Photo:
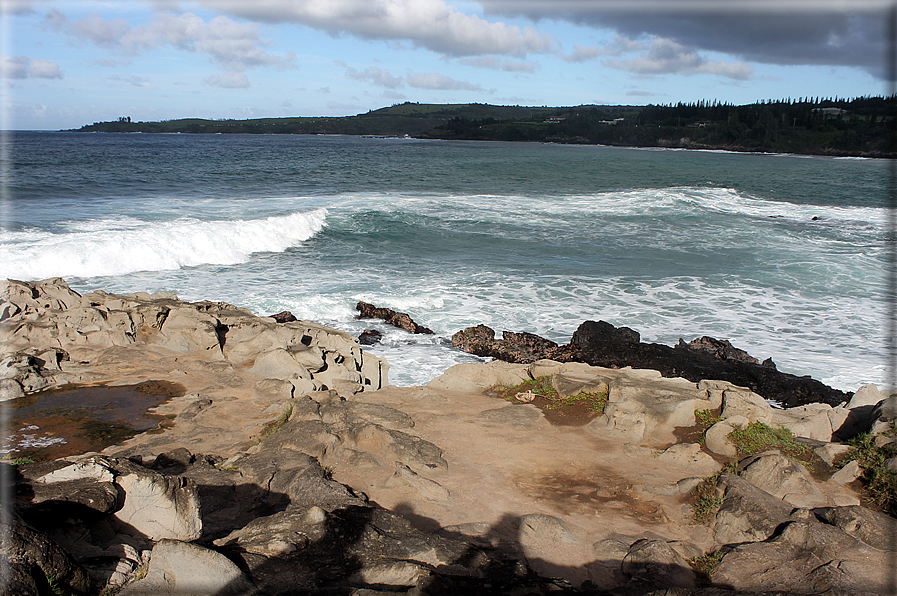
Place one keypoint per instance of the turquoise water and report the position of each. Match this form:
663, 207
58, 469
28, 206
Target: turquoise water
782, 255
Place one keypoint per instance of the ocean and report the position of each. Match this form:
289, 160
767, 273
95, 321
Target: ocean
782, 255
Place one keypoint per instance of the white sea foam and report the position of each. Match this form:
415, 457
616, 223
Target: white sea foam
640, 202
834, 339
118, 246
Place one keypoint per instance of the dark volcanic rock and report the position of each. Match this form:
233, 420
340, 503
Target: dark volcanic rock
398, 319
599, 343
521, 348
284, 317
33, 561
720, 348
369, 337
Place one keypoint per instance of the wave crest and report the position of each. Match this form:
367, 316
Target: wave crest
106, 247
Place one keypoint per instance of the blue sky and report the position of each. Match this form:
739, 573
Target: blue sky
69, 63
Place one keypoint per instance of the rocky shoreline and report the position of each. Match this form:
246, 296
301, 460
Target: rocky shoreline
290, 465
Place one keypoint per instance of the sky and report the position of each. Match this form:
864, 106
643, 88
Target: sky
67, 63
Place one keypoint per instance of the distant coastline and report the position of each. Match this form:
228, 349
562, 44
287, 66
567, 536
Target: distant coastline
858, 127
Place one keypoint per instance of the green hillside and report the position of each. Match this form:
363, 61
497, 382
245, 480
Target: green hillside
397, 120
860, 126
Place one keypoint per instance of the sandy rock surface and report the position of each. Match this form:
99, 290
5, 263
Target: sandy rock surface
288, 453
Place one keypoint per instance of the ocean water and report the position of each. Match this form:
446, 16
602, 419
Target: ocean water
782, 255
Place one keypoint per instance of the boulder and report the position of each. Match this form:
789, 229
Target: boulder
848, 473
716, 439
811, 421
738, 401
831, 451
156, 506
539, 526
28, 297
869, 527
747, 513
883, 416
722, 349
31, 561
188, 329
653, 564
182, 568
44, 321
867, 395
806, 557
784, 479
473, 378
370, 337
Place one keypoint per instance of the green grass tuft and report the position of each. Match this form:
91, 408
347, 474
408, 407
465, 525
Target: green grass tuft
705, 565
707, 501
540, 386
757, 437
595, 401
705, 419
879, 480
278, 424
17, 461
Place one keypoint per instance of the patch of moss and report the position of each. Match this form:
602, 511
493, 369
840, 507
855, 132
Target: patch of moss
540, 386
594, 401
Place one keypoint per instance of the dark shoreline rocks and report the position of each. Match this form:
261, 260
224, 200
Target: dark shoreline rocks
396, 319
601, 344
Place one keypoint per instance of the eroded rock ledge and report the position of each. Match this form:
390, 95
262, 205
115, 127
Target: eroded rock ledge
363, 488
52, 335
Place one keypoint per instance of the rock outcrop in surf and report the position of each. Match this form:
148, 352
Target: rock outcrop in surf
599, 343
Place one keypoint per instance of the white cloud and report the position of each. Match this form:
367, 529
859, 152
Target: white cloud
620, 45
495, 63
583, 53
112, 62
14, 67
791, 32
234, 45
375, 75
42, 69
430, 24
436, 81
228, 80
22, 67
132, 80
15, 7
665, 56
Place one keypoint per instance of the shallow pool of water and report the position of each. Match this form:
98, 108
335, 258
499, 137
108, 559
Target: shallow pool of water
76, 419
